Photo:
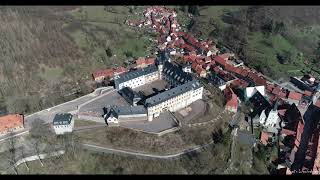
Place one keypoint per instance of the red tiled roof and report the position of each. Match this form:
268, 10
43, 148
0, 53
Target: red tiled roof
220, 60
120, 70
240, 83
282, 94
194, 66
244, 73
232, 99
216, 69
307, 93
264, 137
208, 59
192, 53
140, 61
225, 56
287, 132
272, 98
276, 90
294, 95
103, 73
270, 87
11, 121
230, 68
199, 70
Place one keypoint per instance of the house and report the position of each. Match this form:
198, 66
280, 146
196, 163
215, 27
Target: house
294, 97
11, 122
270, 120
200, 71
119, 70
259, 103
265, 137
123, 114
63, 123
142, 62
174, 99
250, 91
220, 60
217, 81
232, 100
187, 67
100, 75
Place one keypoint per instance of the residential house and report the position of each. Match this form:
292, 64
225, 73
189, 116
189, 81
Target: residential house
123, 114
232, 100
100, 75
266, 137
250, 91
63, 123
11, 122
294, 97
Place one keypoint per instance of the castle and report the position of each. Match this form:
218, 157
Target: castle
184, 91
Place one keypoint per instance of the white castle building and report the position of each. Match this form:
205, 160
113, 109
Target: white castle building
185, 89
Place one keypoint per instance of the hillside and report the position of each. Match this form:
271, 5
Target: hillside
275, 40
48, 53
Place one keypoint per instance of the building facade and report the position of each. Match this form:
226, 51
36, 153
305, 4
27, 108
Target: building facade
63, 123
122, 114
137, 78
184, 89
174, 99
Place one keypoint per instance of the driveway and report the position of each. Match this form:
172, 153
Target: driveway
163, 122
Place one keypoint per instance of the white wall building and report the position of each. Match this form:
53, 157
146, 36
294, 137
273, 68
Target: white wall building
63, 123
137, 78
184, 92
122, 114
250, 91
174, 99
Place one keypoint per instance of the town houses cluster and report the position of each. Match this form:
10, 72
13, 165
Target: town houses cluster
288, 114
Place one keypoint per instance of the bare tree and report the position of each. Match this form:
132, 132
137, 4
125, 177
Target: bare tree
23, 155
11, 146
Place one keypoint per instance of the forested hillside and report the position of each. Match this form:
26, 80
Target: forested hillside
48, 53
279, 41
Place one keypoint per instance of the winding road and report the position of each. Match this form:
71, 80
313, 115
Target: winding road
101, 149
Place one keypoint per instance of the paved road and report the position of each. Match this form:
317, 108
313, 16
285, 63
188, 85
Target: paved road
48, 114
143, 155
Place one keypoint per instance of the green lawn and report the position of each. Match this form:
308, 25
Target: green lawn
99, 29
80, 123
51, 73
264, 51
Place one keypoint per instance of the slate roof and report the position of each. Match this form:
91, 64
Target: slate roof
161, 97
134, 74
62, 119
176, 73
127, 92
117, 111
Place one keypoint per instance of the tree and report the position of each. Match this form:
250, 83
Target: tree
279, 28
11, 146
194, 10
38, 129
286, 57
109, 52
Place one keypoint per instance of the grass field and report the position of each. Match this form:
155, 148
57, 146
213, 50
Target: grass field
51, 73
80, 123
102, 28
